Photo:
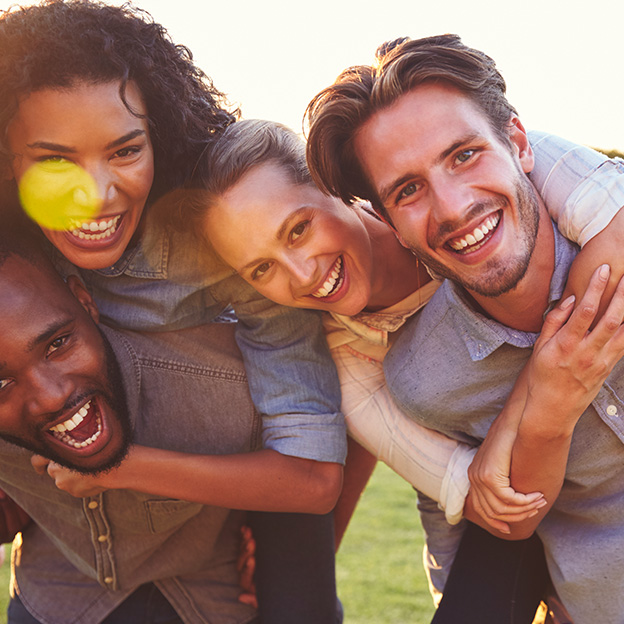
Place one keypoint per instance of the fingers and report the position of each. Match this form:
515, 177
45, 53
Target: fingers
585, 311
556, 318
248, 599
498, 525
612, 318
54, 470
40, 464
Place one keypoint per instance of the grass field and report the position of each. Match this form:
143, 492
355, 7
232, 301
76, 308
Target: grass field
379, 569
379, 566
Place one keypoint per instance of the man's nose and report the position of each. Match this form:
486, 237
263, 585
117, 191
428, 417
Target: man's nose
451, 200
48, 391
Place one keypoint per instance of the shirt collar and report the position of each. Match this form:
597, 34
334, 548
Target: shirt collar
482, 335
148, 258
130, 370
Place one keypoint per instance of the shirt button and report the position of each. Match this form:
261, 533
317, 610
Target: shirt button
102, 538
93, 505
612, 410
108, 580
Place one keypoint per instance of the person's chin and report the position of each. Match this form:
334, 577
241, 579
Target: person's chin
93, 462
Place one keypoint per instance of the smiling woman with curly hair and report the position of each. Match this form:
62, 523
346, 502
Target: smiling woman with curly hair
103, 93
59, 44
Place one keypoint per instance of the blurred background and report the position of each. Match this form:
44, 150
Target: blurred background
561, 58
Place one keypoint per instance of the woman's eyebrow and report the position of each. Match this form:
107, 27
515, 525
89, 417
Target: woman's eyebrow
288, 220
126, 137
65, 149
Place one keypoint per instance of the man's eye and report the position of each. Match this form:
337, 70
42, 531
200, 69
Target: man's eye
4, 383
57, 343
464, 156
298, 230
408, 190
260, 270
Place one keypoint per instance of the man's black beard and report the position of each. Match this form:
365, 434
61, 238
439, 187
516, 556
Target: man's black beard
115, 396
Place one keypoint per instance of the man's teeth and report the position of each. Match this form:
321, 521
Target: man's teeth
59, 431
94, 230
478, 234
330, 283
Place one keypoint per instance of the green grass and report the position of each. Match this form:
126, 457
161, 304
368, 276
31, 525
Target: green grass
379, 566
5, 575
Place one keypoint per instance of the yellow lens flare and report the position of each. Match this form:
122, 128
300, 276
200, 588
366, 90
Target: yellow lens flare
57, 195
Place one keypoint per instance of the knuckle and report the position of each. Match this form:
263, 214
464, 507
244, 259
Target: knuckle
588, 310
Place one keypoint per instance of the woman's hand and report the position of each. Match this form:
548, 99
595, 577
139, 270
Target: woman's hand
568, 366
246, 567
491, 495
570, 360
70, 481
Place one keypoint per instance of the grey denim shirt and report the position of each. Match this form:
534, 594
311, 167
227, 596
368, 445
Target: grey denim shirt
81, 558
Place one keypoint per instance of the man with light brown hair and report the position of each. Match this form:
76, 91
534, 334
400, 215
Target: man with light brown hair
429, 137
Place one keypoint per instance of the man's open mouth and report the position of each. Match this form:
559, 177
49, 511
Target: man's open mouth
82, 429
478, 237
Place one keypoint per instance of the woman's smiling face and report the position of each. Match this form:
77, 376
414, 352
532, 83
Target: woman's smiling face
90, 126
292, 243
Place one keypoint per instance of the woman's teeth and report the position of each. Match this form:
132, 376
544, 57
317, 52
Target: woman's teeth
333, 282
478, 234
95, 230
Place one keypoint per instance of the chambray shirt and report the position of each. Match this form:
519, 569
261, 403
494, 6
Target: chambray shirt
452, 370
171, 279
186, 391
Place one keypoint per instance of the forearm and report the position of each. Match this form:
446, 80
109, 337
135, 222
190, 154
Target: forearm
539, 459
261, 481
358, 470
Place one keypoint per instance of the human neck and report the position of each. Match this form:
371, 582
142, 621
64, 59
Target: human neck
396, 271
523, 307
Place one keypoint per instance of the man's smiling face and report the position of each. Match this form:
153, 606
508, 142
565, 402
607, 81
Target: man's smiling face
57, 396
456, 193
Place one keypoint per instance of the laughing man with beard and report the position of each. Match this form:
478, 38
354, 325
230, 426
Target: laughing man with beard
77, 393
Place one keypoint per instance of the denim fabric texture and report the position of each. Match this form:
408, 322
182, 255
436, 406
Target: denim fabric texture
81, 558
171, 280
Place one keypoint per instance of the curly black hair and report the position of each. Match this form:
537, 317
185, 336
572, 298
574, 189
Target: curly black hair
61, 42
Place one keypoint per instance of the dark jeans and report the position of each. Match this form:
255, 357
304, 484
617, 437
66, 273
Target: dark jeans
295, 568
493, 581
144, 606
295, 577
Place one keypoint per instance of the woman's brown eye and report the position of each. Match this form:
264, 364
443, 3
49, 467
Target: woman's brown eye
261, 270
298, 230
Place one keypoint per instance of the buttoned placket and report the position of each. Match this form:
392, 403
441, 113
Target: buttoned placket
101, 540
611, 409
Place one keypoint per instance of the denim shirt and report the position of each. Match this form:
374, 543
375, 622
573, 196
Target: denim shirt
81, 557
171, 279
452, 370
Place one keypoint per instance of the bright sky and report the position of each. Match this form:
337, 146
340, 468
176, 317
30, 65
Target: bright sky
562, 59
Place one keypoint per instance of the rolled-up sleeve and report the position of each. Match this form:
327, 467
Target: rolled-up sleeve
582, 189
292, 377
